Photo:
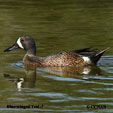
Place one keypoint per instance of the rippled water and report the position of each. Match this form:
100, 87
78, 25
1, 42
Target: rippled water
59, 91
56, 26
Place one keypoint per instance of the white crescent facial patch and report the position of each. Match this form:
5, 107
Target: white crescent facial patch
19, 43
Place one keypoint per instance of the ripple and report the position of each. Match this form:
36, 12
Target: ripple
52, 95
87, 91
16, 99
19, 64
61, 78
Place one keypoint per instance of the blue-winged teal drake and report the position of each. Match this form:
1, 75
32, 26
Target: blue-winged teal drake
80, 57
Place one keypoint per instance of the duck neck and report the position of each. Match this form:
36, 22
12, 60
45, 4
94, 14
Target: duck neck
31, 52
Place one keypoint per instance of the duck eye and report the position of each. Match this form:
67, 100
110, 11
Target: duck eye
22, 40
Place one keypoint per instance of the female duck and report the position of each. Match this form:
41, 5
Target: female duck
80, 57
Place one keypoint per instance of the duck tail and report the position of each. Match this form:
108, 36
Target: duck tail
98, 55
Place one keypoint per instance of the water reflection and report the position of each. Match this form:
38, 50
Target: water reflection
68, 71
28, 79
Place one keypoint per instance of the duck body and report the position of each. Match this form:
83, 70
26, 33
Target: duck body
82, 57
60, 59
66, 58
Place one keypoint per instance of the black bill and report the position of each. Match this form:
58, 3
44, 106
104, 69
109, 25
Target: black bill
14, 46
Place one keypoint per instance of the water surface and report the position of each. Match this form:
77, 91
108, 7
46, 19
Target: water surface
56, 26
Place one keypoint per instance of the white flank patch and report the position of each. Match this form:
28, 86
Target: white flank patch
19, 43
86, 59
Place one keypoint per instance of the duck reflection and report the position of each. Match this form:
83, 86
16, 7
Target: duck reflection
72, 72
28, 79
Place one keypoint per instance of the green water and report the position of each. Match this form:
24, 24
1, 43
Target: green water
56, 25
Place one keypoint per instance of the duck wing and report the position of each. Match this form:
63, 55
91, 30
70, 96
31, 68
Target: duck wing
93, 54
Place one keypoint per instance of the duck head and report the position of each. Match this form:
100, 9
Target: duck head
24, 42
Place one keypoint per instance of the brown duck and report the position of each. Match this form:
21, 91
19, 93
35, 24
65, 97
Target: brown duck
82, 57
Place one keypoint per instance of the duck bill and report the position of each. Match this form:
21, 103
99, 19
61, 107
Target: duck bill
14, 46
